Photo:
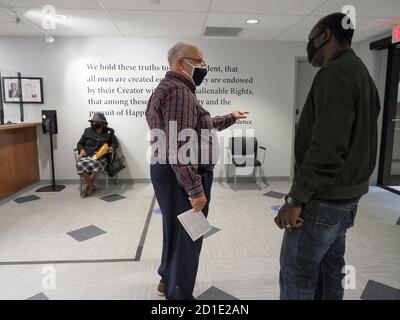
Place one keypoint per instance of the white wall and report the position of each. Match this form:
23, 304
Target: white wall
63, 68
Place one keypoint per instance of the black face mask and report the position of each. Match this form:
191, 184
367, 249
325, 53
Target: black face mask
198, 74
96, 125
311, 49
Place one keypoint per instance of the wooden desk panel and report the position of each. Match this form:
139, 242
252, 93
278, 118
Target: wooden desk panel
19, 164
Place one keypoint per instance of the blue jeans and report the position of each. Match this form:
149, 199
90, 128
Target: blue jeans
312, 257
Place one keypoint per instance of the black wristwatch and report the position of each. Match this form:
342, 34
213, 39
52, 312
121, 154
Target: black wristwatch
292, 202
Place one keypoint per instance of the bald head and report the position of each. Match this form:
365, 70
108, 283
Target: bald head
182, 50
182, 56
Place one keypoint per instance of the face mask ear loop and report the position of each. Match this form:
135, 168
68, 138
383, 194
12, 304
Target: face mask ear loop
323, 42
193, 67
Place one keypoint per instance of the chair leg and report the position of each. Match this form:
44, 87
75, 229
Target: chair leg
235, 180
106, 182
227, 174
259, 178
254, 174
80, 184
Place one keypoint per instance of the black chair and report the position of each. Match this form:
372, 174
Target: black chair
243, 153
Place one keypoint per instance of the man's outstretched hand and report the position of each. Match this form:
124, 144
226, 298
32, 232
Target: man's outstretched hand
240, 114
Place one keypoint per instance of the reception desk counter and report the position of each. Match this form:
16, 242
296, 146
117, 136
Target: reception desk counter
19, 164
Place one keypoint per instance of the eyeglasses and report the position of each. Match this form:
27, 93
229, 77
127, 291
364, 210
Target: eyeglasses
202, 63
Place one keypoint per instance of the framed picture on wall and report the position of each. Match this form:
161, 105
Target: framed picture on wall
32, 90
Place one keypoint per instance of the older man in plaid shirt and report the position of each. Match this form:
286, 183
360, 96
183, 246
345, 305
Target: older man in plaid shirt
180, 185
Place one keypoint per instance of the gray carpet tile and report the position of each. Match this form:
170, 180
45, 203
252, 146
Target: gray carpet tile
86, 233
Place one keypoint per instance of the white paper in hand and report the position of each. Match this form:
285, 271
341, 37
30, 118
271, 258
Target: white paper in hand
195, 224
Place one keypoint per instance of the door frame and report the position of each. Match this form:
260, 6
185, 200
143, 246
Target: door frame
385, 178
296, 67
297, 60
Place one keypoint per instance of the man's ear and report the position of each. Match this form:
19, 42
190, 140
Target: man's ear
327, 35
181, 64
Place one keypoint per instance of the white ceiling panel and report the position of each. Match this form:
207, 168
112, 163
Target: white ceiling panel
11, 29
364, 8
158, 18
85, 30
74, 16
165, 5
4, 17
134, 30
62, 4
362, 24
286, 20
370, 34
260, 33
294, 7
294, 35
239, 20
307, 23
367, 24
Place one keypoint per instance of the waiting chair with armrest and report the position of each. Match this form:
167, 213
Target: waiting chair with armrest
243, 153
104, 173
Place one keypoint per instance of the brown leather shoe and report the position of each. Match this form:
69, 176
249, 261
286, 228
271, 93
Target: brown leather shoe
161, 289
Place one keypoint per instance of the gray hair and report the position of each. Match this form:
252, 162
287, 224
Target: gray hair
177, 51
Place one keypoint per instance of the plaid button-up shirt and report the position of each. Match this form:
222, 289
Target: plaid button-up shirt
175, 100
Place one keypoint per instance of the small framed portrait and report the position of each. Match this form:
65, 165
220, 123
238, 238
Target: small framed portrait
31, 88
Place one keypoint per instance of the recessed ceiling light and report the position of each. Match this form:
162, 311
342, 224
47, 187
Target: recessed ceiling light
251, 21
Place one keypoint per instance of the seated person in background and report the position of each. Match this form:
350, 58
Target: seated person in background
91, 141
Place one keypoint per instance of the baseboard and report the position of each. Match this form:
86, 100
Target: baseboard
100, 181
250, 179
20, 192
61, 181
390, 189
147, 180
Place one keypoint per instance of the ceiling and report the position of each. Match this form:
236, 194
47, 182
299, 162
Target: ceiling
282, 20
